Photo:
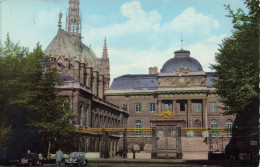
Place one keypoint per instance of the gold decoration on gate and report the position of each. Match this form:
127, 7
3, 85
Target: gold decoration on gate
166, 114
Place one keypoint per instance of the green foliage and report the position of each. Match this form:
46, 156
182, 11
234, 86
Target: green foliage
27, 83
237, 61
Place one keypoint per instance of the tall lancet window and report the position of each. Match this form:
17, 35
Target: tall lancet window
87, 117
80, 114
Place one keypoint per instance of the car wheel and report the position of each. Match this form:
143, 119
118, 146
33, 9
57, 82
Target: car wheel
78, 163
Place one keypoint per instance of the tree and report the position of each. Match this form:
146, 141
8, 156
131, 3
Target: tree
237, 61
237, 72
28, 86
9, 72
51, 115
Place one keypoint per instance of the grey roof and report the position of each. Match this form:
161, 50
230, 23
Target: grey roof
67, 78
62, 45
145, 81
126, 82
182, 59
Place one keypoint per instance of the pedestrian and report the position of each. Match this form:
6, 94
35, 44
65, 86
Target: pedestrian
59, 157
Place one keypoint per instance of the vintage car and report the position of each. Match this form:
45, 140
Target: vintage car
29, 159
76, 158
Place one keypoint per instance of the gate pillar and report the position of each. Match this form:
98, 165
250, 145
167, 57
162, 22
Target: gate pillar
153, 143
210, 141
124, 144
102, 150
178, 142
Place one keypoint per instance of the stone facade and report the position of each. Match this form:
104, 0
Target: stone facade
85, 78
182, 88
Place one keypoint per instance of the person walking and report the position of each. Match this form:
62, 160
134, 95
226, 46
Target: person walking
59, 157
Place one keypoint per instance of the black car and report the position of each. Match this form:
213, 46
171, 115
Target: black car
29, 159
76, 158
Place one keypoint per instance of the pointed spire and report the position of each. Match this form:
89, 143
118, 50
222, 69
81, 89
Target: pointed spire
105, 55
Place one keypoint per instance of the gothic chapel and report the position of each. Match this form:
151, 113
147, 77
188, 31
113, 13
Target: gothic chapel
85, 78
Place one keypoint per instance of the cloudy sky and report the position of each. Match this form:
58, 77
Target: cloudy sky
140, 34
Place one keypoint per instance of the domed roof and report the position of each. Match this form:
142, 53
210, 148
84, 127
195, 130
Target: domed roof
181, 59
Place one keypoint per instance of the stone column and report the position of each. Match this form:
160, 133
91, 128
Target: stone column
174, 106
204, 113
189, 114
159, 106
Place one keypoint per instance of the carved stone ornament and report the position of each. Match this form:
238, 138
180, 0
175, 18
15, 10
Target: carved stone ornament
182, 70
166, 114
203, 81
173, 82
188, 81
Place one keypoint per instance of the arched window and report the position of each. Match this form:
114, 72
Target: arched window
229, 125
138, 125
214, 126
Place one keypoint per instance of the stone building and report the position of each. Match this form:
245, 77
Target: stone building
85, 78
180, 95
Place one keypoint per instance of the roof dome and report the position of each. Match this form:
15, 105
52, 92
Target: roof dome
181, 59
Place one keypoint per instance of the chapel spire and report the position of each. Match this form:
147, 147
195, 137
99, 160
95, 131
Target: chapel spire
74, 19
105, 55
105, 65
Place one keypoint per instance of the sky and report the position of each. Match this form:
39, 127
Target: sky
140, 34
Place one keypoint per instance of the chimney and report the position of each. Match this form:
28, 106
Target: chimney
153, 70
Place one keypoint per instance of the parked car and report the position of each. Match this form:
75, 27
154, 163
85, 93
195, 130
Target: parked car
29, 159
76, 158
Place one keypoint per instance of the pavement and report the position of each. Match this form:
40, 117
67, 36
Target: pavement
124, 162
118, 162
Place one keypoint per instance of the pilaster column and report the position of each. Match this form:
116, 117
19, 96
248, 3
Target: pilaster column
159, 106
82, 74
174, 106
77, 71
89, 77
204, 114
189, 114
95, 83
101, 86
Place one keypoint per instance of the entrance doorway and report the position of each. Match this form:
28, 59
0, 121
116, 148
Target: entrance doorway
168, 139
